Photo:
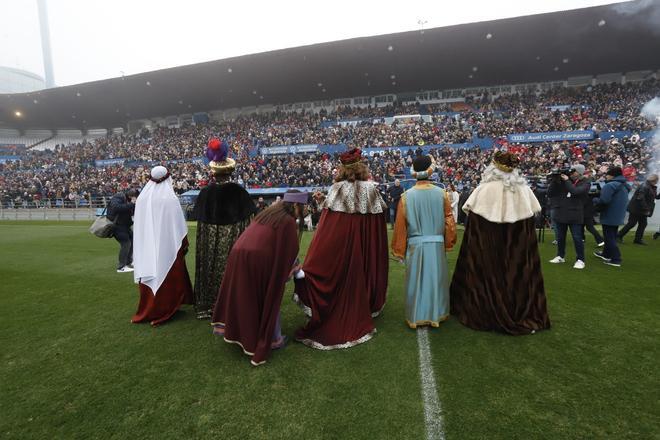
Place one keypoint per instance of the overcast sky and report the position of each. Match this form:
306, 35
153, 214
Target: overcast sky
94, 39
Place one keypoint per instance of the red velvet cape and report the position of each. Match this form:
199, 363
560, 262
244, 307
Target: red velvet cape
251, 292
175, 290
345, 280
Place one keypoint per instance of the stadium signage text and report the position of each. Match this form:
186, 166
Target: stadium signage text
4, 159
552, 136
107, 162
290, 149
559, 108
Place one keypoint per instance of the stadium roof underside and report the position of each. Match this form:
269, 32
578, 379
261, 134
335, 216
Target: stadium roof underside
535, 48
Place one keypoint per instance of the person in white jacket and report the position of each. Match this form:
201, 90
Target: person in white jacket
453, 198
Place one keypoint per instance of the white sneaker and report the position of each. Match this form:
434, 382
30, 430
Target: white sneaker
557, 260
125, 269
579, 264
601, 244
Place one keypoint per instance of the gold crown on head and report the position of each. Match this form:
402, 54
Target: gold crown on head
505, 161
226, 166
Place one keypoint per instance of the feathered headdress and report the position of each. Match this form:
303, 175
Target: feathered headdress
217, 152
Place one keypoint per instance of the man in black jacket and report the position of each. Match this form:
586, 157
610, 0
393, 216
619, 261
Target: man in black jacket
640, 207
589, 213
394, 194
120, 211
568, 195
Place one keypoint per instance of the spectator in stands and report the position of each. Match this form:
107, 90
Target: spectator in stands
120, 211
261, 204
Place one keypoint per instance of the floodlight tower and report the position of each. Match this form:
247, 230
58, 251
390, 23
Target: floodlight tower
45, 43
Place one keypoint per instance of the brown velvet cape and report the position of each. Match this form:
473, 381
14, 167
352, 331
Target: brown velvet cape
498, 284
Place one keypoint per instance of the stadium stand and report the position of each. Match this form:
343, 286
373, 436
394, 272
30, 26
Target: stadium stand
95, 167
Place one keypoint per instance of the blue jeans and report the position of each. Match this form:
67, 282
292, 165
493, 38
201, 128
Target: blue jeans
578, 237
611, 249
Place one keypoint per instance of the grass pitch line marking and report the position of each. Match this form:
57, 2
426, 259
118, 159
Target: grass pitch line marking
432, 406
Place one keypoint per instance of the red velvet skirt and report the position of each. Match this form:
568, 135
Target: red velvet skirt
175, 290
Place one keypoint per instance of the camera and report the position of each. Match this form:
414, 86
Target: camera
556, 172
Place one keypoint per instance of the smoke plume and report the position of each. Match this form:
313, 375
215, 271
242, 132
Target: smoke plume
646, 12
651, 111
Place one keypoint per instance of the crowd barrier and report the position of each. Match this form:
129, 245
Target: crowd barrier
95, 202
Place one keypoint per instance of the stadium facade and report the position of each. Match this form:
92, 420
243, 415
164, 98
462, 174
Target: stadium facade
19, 81
612, 43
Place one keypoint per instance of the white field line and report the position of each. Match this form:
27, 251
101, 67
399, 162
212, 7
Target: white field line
432, 405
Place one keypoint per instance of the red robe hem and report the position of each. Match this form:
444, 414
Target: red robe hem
175, 290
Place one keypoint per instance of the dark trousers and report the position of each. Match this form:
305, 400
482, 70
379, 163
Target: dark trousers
395, 209
635, 219
124, 235
611, 250
576, 233
589, 226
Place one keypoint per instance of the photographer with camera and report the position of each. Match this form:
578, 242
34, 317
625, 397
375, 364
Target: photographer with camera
568, 192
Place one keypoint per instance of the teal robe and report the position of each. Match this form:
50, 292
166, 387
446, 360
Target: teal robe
427, 274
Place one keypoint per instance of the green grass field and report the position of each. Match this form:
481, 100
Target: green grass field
73, 366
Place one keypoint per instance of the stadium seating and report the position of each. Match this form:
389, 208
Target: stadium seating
71, 166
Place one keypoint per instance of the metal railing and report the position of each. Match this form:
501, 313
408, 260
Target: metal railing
60, 203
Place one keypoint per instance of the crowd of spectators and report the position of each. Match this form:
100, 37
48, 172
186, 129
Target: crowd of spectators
69, 173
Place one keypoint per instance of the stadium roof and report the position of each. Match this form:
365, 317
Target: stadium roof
544, 47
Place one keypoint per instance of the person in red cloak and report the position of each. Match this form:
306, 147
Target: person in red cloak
261, 261
160, 244
344, 276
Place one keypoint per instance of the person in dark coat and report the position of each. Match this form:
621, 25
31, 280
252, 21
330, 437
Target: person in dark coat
589, 213
568, 195
120, 211
394, 194
613, 200
640, 207
466, 192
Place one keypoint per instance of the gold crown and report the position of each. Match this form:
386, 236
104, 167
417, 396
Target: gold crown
227, 166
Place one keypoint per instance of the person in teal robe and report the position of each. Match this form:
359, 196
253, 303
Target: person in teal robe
424, 231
